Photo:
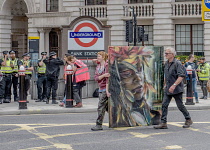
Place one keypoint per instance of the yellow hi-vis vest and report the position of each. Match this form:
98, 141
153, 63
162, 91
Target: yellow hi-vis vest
6, 68
15, 63
42, 69
27, 64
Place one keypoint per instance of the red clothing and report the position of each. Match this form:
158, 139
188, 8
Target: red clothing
101, 83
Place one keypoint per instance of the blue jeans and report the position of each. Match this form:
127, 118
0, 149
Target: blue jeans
64, 99
194, 84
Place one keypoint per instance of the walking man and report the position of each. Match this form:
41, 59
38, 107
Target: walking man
42, 79
174, 74
53, 71
203, 74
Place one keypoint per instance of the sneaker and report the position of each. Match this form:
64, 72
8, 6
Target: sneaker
205, 97
187, 123
61, 104
161, 126
97, 128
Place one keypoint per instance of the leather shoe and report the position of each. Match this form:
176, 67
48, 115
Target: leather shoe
187, 123
54, 102
39, 100
161, 126
78, 105
47, 102
202, 97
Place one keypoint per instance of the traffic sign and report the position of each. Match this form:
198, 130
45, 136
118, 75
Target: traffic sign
205, 10
85, 39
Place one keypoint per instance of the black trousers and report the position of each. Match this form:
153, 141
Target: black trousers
204, 87
42, 87
15, 86
52, 85
179, 103
5, 87
27, 83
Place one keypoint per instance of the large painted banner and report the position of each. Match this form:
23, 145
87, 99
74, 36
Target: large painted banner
136, 85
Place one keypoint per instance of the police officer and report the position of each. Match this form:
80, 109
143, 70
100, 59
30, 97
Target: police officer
53, 70
6, 69
29, 68
42, 79
14, 64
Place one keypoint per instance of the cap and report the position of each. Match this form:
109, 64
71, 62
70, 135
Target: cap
5, 52
43, 53
52, 54
11, 52
26, 54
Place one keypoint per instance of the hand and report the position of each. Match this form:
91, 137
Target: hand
198, 70
108, 94
16, 75
106, 75
44, 57
171, 89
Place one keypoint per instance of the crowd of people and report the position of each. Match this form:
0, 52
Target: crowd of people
48, 71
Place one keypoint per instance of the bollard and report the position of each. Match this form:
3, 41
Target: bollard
22, 100
69, 87
189, 94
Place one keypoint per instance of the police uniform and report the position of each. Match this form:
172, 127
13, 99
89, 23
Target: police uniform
15, 62
5, 94
42, 80
28, 73
52, 72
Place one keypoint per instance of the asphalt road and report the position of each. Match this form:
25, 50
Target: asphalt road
72, 132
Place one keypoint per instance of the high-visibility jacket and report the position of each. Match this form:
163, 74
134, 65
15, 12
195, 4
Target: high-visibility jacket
28, 65
42, 69
15, 63
82, 73
204, 73
7, 68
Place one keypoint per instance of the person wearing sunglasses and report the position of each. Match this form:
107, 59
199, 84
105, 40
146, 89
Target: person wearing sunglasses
174, 73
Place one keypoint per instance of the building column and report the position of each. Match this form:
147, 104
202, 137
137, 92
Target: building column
163, 26
5, 33
41, 41
47, 47
207, 40
115, 13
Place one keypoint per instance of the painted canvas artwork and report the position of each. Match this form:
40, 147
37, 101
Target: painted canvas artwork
136, 85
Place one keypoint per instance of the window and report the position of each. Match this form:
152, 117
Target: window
95, 2
148, 30
189, 39
52, 5
139, 1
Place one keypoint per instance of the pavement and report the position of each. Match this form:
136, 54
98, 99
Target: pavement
89, 105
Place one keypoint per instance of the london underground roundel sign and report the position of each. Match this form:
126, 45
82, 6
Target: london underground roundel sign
85, 37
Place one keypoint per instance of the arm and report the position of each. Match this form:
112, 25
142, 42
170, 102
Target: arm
58, 61
5, 59
31, 68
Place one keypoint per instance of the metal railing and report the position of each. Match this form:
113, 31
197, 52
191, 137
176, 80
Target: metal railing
98, 11
141, 10
183, 9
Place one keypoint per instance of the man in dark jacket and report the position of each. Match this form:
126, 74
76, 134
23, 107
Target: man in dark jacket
53, 70
174, 74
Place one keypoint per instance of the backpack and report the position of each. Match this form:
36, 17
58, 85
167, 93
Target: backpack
96, 92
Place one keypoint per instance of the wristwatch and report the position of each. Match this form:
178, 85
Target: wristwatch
174, 84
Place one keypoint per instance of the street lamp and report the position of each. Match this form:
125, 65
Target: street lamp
134, 25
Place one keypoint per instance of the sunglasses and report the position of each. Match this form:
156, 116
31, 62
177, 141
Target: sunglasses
167, 53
